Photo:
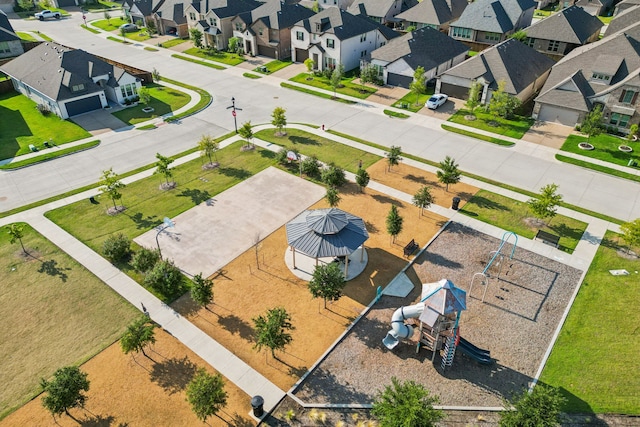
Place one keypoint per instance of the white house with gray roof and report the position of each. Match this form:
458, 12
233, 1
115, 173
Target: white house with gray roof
69, 82
437, 14
381, 11
10, 44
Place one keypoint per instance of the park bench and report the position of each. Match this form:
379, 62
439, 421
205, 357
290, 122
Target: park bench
410, 248
548, 238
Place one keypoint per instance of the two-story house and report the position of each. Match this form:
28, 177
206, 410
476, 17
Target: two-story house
485, 23
437, 14
604, 73
381, 11
595, 7
560, 33
625, 5
167, 15
628, 18
335, 36
10, 44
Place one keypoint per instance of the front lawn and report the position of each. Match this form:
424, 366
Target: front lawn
21, 124
409, 101
112, 24
174, 42
601, 333
26, 36
164, 100
273, 66
510, 215
605, 148
218, 56
349, 89
515, 128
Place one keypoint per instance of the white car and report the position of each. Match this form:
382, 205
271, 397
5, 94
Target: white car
436, 100
47, 14
128, 28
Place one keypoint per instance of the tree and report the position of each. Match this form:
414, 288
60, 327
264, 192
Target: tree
202, 290
123, 33
196, 36
144, 95
520, 35
145, 259
362, 179
333, 176
546, 204
107, 16
633, 132
540, 408
156, 75
111, 186
272, 330
311, 167
419, 83
332, 197
65, 390
234, 44
406, 404
448, 173
117, 247
151, 27
394, 223
309, 63
139, 334
631, 232
315, 7
166, 278
592, 123
279, 119
502, 103
208, 146
368, 74
162, 167
246, 132
206, 395
423, 199
16, 233
393, 156
473, 100
327, 282
336, 78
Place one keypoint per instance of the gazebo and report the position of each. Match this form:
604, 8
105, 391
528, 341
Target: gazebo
324, 233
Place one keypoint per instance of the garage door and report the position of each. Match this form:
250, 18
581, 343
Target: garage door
267, 51
83, 105
301, 55
454, 91
66, 3
399, 80
549, 113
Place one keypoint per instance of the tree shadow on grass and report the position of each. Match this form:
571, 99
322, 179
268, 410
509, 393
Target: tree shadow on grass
173, 375
385, 199
418, 179
238, 421
303, 140
51, 268
197, 196
235, 172
442, 261
267, 154
144, 223
371, 227
484, 203
236, 325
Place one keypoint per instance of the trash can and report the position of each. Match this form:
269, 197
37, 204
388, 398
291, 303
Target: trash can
455, 203
257, 403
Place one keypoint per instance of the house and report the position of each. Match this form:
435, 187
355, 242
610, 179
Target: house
560, 33
523, 70
428, 48
167, 15
335, 36
323, 4
595, 7
436, 14
69, 82
266, 30
6, 6
629, 17
625, 5
213, 18
10, 44
484, 23
381, 11
605, 73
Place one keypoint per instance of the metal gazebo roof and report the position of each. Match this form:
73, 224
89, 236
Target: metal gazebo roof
324, 233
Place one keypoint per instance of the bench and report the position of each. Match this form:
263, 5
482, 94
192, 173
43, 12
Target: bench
410, 248
548, 238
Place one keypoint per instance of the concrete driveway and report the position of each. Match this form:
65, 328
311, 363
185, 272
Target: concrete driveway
548, 134
99, 121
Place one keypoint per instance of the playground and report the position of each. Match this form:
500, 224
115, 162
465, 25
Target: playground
515, 323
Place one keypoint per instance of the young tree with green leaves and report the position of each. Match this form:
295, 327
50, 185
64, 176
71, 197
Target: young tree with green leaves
394, 223
362, 179
633, 132
155, 74
368, 74
332, 197
327, 282
123, 33
144, 259
166, 278
139, 334
117, 247
336, 78
144, 96
546, 204
111, 186
631, 233
309, 63
65, 390
423, 199
16, 233
196, 36
162, 167
246, 132
206, 394
151, 26
592, 123
311, 167
419, 84
394, 156
272, 330
406, 404
333, 176
473, 101
234, 44
502, 103
540, 408
107, 16
520, 35
202, 291
208, 146
448, 173
279, 120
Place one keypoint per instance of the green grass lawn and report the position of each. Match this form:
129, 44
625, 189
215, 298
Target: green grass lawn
139, 36
391, 113
273, 66
409, 101
219, 56
54, 313
26, 36
22, 124
350, 89
515, 128
316, 93
101, 5
510, 214
465, 132
606, 148
118, 39
599, 168
197, 61
49, 155
163, 100
251, 76
93, 30
112, 25
594, 361
325, 149
174, 42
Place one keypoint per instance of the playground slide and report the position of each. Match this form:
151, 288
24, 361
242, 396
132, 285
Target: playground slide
476, 353
399, 328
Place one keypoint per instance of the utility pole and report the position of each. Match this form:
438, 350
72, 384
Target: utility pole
233, 112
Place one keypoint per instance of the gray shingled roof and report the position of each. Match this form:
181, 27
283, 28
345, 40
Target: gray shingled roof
6, 30
343, 24
379, 8
623, 20
225, 8
52, 69
434, 12
425, 47
512, 61
570, 25
496, 16
172, 10
277, 14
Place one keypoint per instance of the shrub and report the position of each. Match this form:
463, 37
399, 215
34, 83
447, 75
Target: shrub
117, 247
281, 156
165, 278
327, 72
44, 109
333, 176
578, 127
145, 259
311, 167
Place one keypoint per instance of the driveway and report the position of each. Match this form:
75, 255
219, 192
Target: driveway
99, 121
548, 134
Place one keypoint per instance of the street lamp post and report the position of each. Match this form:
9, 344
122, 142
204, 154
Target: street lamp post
167, 224
233, 112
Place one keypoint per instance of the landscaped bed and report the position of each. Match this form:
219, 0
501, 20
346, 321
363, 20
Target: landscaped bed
515, 128
322, 82
217, 56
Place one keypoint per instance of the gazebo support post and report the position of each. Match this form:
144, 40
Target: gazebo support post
361, 253
316, 261
346, 267
294, 257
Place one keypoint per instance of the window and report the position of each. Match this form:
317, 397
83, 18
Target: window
601, 77
529, 41
77, 88
329, 63
628, 96
554, 45
299, 35
260, 31
382, 43
192, 16
492, 37
128, 90
4, 47
238, 26
330, 43
462, 33
212, 21
621, 120
363, 54
363, 37
202, 17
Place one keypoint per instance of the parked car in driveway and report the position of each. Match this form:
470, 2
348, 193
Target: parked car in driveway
47, 14
436, 100
128, 28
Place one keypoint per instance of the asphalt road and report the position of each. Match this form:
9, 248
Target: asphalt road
524, 166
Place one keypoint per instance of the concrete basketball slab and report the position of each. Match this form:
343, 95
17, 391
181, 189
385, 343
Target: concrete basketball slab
210, 235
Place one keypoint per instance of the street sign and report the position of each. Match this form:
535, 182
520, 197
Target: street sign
233, 113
